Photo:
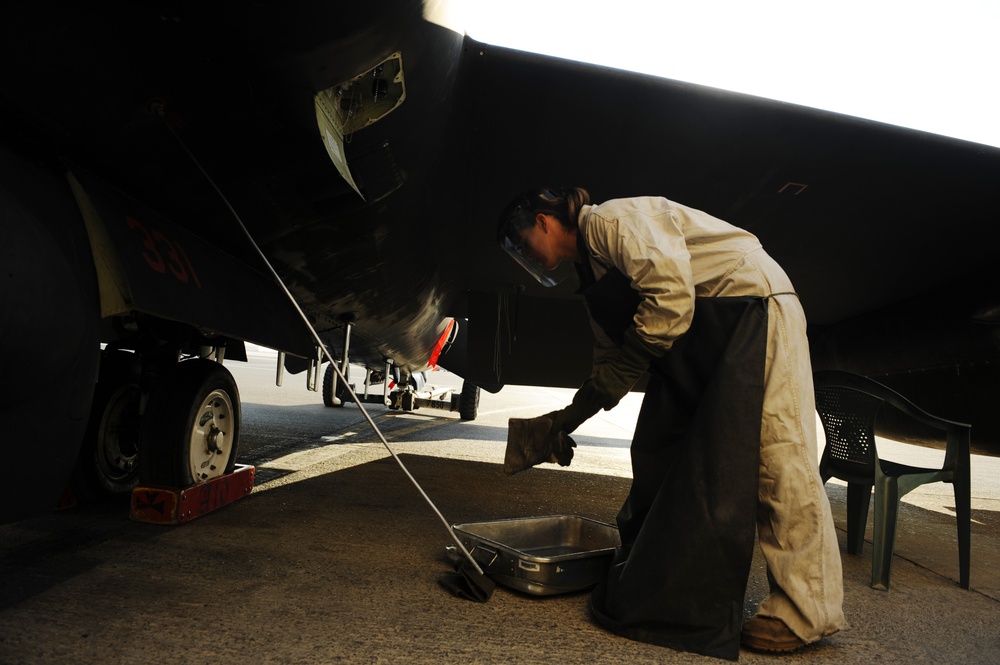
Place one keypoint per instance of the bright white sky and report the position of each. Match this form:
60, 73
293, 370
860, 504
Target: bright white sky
929, 66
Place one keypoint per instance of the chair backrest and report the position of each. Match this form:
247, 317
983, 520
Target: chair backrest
848, 418
843, 397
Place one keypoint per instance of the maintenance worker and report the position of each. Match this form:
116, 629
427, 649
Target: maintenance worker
677, 263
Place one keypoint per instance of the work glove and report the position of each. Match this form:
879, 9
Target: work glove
546, 438
561, 445
609, 382
612, 379
564, 421
568, 419
531, 441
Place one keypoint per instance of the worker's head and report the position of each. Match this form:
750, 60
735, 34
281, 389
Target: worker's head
538, 229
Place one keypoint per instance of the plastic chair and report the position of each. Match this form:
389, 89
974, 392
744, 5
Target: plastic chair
848, 405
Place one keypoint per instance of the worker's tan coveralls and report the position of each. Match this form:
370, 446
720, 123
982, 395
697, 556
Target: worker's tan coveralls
673, 253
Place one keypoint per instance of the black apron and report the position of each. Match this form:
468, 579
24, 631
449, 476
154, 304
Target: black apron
688, 523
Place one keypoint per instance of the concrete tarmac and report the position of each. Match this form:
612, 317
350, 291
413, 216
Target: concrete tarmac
335, 557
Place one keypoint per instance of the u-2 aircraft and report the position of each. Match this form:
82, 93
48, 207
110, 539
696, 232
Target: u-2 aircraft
148, 150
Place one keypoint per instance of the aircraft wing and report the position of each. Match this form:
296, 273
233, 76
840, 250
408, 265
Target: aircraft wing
888, 234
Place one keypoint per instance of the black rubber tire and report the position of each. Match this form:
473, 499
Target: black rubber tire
468, 409
196, 394
328, 387
108, 464
342, 393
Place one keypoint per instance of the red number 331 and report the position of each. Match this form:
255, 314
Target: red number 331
163, 255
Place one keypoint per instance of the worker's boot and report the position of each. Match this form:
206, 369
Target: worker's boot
769, 634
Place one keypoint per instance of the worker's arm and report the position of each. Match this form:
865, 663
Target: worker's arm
647, 244
644, 240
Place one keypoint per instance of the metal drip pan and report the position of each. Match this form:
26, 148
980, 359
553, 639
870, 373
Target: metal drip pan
542, 556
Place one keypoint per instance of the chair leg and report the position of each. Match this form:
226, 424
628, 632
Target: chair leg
884, 531
963, 515
859, 498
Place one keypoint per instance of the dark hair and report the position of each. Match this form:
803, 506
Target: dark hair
562, 203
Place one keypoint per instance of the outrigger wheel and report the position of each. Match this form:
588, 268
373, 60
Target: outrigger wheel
191, 428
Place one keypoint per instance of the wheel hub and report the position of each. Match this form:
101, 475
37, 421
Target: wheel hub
216, 440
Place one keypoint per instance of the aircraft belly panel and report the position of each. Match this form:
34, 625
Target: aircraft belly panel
177, 274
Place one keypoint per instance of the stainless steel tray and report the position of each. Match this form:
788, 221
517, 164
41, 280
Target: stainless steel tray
542, 556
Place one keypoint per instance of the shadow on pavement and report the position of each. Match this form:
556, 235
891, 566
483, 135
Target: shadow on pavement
343, 567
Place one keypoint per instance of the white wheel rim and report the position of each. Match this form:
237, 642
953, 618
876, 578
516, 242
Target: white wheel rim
211, 437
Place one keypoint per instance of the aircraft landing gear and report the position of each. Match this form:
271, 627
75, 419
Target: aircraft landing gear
410, 392
414, 396
191, 427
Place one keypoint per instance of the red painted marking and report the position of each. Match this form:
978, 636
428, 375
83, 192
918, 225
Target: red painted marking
442, 340
156, 246
150, 253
